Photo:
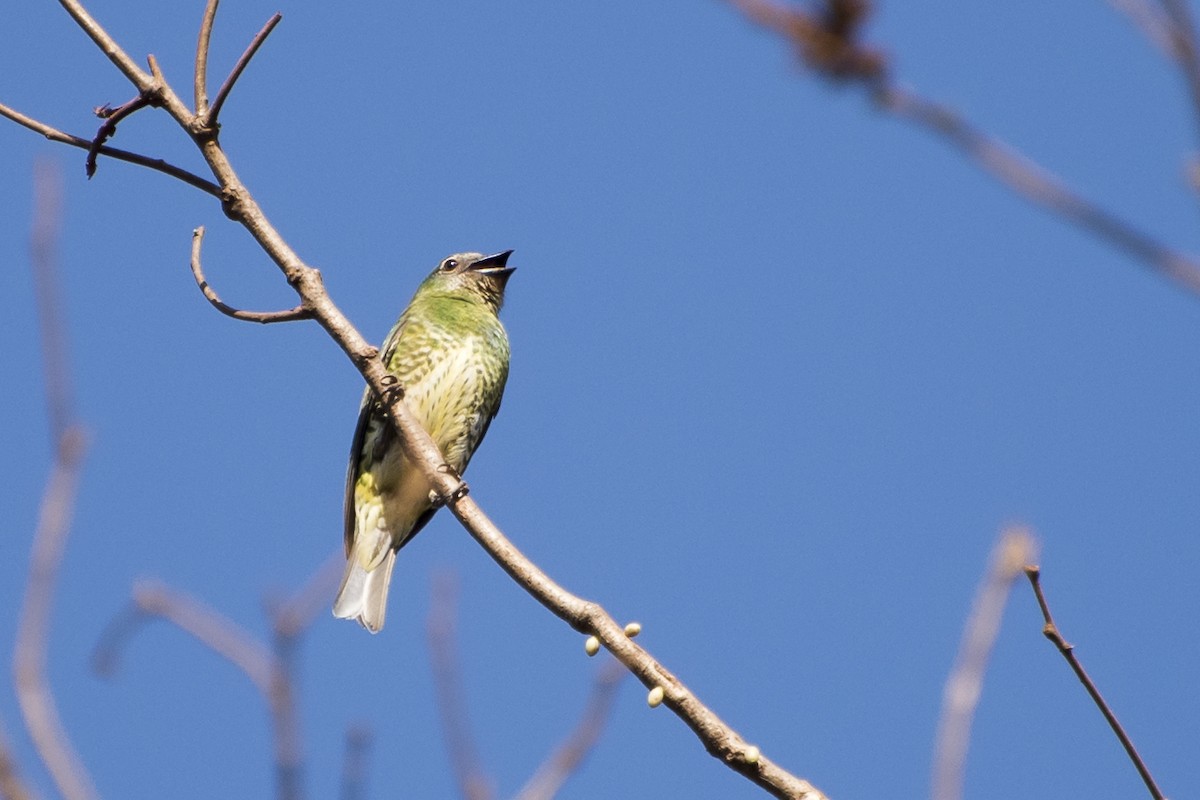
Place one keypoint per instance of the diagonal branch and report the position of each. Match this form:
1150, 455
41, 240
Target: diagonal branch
1014, 550
1051, 632
55, 135
239, 68
829, 43
264, 317
112, 117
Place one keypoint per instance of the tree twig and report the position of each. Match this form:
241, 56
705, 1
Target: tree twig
36, 699
239, 68
1014, 549
202, 42
55, 135
1050, 631
263, 317
570, 755
829, 43
112, 117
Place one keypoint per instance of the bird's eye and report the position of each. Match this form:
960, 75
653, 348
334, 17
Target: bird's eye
449, 264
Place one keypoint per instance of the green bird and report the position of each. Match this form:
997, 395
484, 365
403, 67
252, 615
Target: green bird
449, 353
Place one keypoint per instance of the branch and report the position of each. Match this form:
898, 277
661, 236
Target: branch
1051, 632
1015, 548
829, 44
201, 77
55, 135
721, 741
34, 695
112, 117
264, 317
239, 68
570, 755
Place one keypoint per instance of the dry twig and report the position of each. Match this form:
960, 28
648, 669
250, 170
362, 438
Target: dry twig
1051, 632
354, 766
34, 695
12, 787
1015, 548
827, 38
264, 317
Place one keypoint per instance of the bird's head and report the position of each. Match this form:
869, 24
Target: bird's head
473, 277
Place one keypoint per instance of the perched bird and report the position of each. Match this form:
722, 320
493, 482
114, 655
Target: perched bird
449, 353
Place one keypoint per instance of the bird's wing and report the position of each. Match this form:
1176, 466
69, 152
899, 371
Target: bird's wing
367, 411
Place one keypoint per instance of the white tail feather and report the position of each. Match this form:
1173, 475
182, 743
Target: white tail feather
363, 594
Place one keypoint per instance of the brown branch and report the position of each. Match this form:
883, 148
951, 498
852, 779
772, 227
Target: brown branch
473, 782
38, 707
239, 68
717, 736
1152, 22
570, 755
263, 317
1015, 548
1183, 36
1051, 632
55, 135
112, 117
829, 44
202, 42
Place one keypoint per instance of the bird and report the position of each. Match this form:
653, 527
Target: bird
449, 353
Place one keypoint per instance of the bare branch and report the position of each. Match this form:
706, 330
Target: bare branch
263, 317
34, 695
55, 135
473, 782
201, 78
1183, 35
240, 67
112, 117
1051, 632
354, 766
829, 44
293, 616
1041, 187
1015, 548
569, 756
1152, 22
153, 599
106, 43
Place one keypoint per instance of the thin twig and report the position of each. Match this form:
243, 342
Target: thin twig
570, 755
354, 764
473, 781
239, 67
833, 50
201, 76
263, 317
1152, 22
55, 135
1183, 34
112, 117
1051, 632
1015, 548
34, 695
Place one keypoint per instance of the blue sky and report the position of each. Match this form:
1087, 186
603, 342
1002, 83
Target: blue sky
782, 368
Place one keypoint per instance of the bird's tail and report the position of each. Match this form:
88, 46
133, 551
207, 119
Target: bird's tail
363, 593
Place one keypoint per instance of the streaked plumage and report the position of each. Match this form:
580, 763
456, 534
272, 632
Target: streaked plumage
450, 354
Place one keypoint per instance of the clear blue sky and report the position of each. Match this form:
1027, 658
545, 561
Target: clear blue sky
782, 368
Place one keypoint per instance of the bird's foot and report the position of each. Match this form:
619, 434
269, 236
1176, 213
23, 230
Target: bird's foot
457, 493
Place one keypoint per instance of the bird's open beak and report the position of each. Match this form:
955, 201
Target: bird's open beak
494, 265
